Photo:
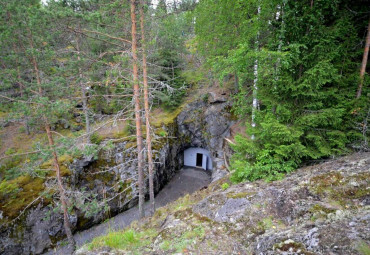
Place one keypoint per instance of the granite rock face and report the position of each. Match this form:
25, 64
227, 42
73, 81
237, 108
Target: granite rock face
322, 209
113, 175
206, 125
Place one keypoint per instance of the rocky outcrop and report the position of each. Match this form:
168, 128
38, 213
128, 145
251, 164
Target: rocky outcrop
322, 209
112, 177
206, 124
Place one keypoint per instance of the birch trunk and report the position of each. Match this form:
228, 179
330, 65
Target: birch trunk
255, 81
364, 62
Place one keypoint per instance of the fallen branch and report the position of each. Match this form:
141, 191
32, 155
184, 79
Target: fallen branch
229, 141
20, 154
26, 208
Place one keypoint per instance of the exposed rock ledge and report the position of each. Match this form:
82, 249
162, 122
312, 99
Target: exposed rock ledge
321, 209
199, 124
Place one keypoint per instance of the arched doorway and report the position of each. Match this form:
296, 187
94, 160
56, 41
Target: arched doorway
198, 157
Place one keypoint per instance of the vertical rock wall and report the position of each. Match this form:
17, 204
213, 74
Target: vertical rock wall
202, 123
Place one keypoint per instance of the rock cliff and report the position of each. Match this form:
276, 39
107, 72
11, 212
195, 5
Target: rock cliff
321, 209
113, 176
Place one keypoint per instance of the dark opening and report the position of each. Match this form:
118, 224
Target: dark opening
199, 159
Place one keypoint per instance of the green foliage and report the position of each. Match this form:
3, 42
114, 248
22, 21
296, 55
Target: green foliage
8, 189
9, 169
10, 151
126, 240
308, 68
95, 138
172, 32
225, 186
276, 150
91, 150
162, 133
363, 248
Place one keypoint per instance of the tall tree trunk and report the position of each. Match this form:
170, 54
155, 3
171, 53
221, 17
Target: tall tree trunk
255, 81
280, 13
364, 62
67, 224
147, 111
83, 89
139, 137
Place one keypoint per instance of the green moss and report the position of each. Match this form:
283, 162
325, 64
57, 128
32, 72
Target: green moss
323, 182
320, 209
130, 145
64, 162
341, 189
158, 144
8, 189
363, 248
28, 189
240, 194
161, 132
8, 168
186, 240
182, 203
291, 246
265, 224
165, 117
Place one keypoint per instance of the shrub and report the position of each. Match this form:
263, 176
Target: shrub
225, 186
96, 138
7, 188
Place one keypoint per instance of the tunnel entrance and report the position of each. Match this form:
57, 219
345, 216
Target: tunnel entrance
198, 157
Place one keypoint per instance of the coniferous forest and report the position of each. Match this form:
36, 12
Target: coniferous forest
82, 79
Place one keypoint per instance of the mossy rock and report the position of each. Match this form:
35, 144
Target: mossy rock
29, 189
130, 145
321, 209
325, 182
64, 162
292, 246
240, 194
166, 117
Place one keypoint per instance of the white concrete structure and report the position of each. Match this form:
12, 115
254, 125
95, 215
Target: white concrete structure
198, 157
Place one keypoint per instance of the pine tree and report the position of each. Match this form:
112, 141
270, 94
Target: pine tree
139, 137
306, 70
42, 100
147, 110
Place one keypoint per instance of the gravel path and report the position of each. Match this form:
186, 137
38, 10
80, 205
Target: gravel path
187, 180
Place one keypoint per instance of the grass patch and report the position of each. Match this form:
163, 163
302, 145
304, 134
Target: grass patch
225, 186
363, 248
124, 240
185, 241
165, 245
182, 203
